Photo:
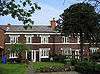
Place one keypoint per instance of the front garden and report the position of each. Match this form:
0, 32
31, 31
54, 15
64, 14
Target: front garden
48, 67
84, 67
13, 69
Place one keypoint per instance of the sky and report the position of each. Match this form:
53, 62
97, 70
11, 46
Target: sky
49, 9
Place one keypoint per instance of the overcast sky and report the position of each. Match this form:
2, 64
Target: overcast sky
49, 9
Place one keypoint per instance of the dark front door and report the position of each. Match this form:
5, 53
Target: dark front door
37, 55
29, 56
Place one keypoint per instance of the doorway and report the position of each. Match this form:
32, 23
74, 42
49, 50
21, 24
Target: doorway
37, 55
29, 55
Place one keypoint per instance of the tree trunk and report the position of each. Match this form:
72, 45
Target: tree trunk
81, 46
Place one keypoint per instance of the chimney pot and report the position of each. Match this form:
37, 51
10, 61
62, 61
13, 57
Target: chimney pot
53, 24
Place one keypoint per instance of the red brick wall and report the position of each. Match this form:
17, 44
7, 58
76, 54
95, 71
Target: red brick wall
2, 38
36, 39
22, 39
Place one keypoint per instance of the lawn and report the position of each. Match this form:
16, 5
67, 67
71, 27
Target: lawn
37, 67
12, 69
44, 66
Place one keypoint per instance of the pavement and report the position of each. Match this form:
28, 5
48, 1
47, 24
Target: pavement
69, 72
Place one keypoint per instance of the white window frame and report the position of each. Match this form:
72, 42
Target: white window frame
66, 51
44, 38
29, 38
14, 38
77, 55
13, 55
65, 39
76, 52
44, 52
94, 49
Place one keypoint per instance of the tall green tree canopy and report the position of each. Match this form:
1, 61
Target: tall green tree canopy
81, 20
22, 9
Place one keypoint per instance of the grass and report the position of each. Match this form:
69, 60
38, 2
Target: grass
42, 65
12, 69
21, 68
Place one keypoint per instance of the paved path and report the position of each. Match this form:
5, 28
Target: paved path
30, 69
69, 72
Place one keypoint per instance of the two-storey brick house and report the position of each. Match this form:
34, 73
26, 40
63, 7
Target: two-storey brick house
43, 41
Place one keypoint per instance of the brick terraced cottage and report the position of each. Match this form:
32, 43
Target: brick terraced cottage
42, 40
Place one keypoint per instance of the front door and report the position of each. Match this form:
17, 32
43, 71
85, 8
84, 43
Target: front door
29, 56
37, 55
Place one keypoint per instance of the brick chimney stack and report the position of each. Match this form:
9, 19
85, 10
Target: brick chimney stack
53, 24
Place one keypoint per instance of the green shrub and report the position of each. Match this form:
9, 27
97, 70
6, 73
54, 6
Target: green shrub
73, 62
47, 66
45, 59
97, 67
85, 67
59, 58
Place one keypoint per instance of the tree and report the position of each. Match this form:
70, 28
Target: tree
95, 3
80, 20
19, 49
21, 9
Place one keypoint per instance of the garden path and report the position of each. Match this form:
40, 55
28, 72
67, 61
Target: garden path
30, 69
69, 72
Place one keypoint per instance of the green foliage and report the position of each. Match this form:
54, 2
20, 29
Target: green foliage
59, 58
81, 20
85, 67
23, 10
18, 48
73, 62
47, 66
95, 56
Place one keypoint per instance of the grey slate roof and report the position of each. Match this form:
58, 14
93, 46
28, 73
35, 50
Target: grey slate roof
40, 28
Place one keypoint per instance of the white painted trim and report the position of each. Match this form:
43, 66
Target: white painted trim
12, 55
44, 38
48, 43
26, 54
32, 55
65, 39
14, 37
27, 37
44, 57
93, 49
44, 54
30, 33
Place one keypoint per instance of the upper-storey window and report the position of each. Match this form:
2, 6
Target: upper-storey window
44, 38
14, 38
65, 39
28, 38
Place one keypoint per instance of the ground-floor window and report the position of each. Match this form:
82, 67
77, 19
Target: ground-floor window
77, 54
44, 52
93, 49
70, 53
13, 55
66, 51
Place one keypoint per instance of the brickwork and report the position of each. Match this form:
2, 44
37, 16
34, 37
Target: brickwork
55, 41
2, 38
